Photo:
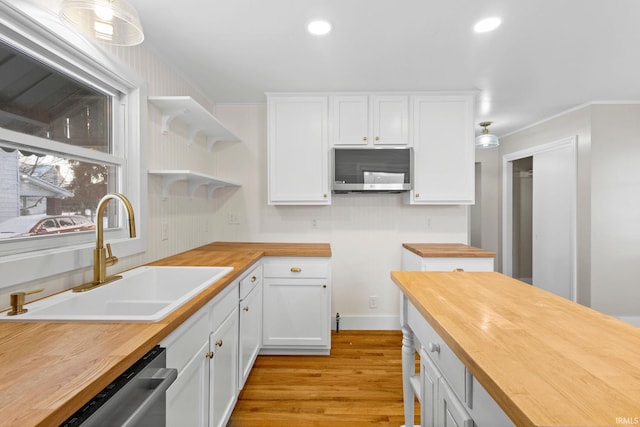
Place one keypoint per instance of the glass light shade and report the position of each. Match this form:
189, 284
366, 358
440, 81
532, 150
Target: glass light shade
110, 21
487, 140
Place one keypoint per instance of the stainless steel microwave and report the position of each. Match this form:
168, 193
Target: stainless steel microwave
372, 169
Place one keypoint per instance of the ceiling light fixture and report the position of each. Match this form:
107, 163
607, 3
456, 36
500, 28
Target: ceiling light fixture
485, 139
111, 21
319, 27
486, 25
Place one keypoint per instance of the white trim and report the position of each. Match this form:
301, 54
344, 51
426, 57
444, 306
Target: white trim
570, 110
507, 202
368, 323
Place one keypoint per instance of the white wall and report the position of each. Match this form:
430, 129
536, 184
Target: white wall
608, 208
365, 231
615, 209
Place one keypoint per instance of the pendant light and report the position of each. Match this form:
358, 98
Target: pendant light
110, 21
485, 139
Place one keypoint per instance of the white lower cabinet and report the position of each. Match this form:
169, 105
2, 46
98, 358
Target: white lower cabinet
449, 395
250, 322
414, 262
187, 397
296, 310
223, 370
206, 350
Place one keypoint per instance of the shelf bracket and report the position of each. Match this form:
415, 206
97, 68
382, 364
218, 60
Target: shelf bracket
168, 117
211, 141
193, 133
167, 182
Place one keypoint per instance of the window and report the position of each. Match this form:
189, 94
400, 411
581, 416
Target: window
69, 134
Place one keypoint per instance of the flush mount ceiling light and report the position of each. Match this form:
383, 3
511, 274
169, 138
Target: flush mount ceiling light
486, 25
319, 27
110, 21
485, 139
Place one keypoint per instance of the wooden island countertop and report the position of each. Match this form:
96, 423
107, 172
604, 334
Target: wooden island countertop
48, 370
545, 360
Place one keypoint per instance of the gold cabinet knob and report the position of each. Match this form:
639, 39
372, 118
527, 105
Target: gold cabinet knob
417, 195
296, 269
324, 286
219, 343
245, 308
209, 355
324, 195
364, 138
458, 269
253, 279
377, 138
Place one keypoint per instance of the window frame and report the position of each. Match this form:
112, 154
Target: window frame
39, 33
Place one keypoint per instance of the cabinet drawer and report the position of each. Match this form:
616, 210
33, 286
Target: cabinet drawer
224, 304
451, 264
439, 352
250, 281
296, 268
185, 341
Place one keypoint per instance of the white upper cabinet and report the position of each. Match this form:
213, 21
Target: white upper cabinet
444, 151
298, 152
370, 120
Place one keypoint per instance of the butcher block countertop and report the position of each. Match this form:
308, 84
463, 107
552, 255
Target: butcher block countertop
545, 360
447, 250
48, 370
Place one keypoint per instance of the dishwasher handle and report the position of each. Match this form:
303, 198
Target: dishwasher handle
157, 382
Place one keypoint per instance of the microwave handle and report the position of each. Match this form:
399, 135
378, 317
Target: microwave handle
161, 378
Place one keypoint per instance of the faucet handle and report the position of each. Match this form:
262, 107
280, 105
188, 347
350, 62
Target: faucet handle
109, 250
17, 301
110, 260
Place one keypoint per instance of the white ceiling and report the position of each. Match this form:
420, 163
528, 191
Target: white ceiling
548, 56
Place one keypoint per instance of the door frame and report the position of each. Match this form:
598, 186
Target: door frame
507, 204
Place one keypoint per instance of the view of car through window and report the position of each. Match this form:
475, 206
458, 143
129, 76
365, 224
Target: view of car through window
39, 225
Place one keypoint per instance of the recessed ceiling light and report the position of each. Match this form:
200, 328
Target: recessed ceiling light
486, 25
319, 28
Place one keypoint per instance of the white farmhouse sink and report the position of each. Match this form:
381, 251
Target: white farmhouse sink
144, 294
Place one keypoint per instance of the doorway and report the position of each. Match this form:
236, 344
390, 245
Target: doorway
539, 219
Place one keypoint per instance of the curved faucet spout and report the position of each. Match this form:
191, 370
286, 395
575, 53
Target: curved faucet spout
102, 205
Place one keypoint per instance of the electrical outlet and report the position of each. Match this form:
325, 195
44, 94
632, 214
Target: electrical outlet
233, 218
373, 301
164, 231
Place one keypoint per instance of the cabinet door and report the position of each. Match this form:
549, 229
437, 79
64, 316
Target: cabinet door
390, 119
298, 154
250, 331
444, 151
350, 120
296, 312
187, 398
223, 371
429, 380
451, 412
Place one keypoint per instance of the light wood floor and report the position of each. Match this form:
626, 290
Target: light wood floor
359, 384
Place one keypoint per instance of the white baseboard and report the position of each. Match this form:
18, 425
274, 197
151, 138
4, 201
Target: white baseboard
634, 320
368, 323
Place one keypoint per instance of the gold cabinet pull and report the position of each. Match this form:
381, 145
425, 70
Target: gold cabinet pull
296, 269
209, 355
458, 269
219, 343
364, 138
245, 308
253, 279
417, 195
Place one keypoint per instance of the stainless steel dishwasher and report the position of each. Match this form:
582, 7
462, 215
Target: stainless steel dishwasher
134, 399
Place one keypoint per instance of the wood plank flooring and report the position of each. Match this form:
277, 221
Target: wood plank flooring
359, 384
